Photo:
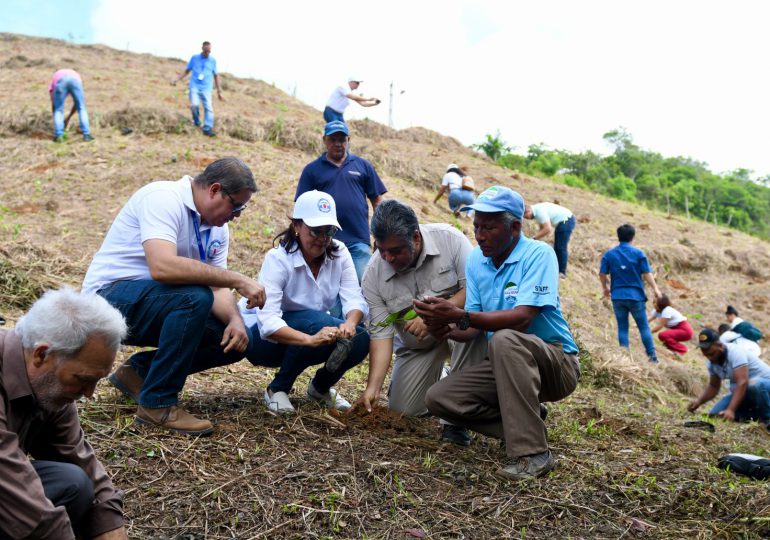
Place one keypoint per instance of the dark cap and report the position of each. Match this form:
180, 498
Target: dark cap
731, 311
707, 337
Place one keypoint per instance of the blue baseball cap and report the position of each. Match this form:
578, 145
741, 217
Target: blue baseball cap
336, 126
498, 199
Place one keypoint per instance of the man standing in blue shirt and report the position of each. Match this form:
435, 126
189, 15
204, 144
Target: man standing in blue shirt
512, 285
350, 180
628, 268
204, 75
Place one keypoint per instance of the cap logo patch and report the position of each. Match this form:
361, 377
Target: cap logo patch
324, 206
703, 337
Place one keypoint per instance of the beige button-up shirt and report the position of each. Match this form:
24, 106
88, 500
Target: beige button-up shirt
26, 429
440, 271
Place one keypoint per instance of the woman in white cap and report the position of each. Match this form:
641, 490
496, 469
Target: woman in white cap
460, 192
302, 276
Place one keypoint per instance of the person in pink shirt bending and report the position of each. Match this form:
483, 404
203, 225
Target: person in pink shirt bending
68, 82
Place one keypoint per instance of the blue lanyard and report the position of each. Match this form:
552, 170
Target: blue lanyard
196, 226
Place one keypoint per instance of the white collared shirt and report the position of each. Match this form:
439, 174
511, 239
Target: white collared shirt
290, 286
157, 211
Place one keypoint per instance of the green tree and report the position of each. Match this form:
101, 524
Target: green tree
494, 147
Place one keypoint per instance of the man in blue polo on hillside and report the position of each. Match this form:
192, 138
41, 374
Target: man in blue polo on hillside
204, 76
350, 180
512, 294
628, 269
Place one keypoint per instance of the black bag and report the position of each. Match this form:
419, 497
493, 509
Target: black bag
754, 467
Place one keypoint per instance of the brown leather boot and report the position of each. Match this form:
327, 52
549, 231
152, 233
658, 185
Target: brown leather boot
174, 418
127, 380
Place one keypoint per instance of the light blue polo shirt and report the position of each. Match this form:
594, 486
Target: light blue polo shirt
202, 72
528, 277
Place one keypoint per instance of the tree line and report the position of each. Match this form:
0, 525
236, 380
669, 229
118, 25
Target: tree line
672, 184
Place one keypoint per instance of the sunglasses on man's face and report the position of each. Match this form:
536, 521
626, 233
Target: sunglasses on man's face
328, 232
236, 207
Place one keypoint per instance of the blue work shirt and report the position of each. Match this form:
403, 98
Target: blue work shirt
625, 265
528, 277
202, 72
350, 184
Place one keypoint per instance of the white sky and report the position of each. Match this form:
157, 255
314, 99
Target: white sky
684, 77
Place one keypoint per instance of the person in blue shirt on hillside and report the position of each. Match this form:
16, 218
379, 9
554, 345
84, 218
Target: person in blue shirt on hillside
628, 269
204, 76
512, 285
350, 180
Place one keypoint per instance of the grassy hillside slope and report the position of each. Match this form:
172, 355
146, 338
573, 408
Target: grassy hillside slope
627, 466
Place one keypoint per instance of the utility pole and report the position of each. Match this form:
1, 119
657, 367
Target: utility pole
390, 104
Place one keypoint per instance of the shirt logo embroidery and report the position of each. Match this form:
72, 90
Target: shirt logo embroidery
510, 291
541, 289
622, 266
324, 206
214, 247
355, 173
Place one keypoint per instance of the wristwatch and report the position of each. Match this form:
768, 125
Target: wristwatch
465, 321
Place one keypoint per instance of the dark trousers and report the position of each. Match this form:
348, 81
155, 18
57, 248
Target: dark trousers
177, 320
67, 485
561, 238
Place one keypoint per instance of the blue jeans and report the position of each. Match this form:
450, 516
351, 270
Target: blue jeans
330, 115
561, 240
755, 404
637, 310
73, 87
177, 320
361, 253
459, 198
198, 97
292, 359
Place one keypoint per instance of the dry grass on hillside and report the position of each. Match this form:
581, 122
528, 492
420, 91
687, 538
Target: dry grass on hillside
627, 466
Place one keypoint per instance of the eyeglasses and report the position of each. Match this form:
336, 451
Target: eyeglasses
328, 232
236, 207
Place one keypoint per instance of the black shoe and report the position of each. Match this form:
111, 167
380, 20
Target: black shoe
455, 435
87, 138
209, 133
543, 412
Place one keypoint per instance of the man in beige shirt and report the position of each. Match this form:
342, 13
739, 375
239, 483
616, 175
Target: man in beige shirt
413, 261
56, 354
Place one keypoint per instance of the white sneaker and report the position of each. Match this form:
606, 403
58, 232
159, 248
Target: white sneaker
278, 402
330, 399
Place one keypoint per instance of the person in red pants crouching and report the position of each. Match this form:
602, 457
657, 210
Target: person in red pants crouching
677, 329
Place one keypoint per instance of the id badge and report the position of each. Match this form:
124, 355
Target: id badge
201, 77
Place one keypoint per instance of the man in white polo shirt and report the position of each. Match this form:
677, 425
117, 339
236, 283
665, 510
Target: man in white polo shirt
553, 217
163, 265
340, 99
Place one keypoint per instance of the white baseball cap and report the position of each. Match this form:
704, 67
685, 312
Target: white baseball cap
355, 78
451, 166
316, 208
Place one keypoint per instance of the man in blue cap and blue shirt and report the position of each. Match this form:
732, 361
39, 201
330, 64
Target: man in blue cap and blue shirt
350, 180
512, 285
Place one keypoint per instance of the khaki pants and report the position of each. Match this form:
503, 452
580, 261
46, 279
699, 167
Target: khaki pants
417, 369
501, 397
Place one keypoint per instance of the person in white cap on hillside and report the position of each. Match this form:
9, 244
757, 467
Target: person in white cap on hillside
340, 99
303, 275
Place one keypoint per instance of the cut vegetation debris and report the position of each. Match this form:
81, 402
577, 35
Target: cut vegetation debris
627, 465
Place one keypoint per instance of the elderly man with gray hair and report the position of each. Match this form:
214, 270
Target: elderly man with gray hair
413, 261
56, 354
163, 264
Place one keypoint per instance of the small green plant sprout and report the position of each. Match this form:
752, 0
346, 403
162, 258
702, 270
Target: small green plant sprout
397, 318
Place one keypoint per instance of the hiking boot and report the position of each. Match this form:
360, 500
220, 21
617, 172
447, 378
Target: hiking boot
127, 380
339, 354
543, 412
455, 435
330, 399
87, 138
278, 402
528, 467
174, 419
209, 133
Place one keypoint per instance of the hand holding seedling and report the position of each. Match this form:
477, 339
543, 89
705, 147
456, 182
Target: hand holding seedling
437, 311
